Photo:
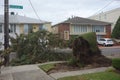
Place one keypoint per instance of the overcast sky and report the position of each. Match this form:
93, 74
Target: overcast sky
59, 10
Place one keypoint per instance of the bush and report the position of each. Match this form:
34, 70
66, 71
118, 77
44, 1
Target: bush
43, 57
55, 56
116, 63
74, 62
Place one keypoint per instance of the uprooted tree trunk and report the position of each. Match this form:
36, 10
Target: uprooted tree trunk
83, 53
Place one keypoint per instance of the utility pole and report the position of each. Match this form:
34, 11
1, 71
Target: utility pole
6, 30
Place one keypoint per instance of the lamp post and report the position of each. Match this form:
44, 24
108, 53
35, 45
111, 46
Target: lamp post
6, 30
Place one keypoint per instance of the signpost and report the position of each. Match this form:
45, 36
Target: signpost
6, 30
16, 6
6, 25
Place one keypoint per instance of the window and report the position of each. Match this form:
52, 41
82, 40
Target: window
0, 28
102, 39
12, 28
105, 16
100, 17
83, 28
76, 28
41, 27
98, 28
30, 28
80, 28
25, 29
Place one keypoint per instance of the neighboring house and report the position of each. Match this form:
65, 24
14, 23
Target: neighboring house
22, 25
78, 25
108, 16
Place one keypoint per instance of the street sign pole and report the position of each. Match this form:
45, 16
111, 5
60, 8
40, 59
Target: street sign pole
6, 30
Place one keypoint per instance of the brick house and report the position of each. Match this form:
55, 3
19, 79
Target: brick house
78, 25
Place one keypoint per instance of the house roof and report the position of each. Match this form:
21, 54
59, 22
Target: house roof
17, 19
80, 20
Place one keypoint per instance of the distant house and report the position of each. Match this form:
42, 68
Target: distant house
78, 25
22, 25
108, 16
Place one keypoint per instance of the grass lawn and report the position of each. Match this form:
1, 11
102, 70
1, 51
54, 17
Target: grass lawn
47, 67
95, 76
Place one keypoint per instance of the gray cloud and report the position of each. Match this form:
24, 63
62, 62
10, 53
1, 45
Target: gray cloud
59, 10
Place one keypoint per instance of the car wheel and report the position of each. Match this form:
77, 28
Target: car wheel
104, 44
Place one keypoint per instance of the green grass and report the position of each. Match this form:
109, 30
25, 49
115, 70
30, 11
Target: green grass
47, 67
95, 76
116, 63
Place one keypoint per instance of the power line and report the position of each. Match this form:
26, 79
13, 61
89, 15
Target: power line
34, 9
104, 7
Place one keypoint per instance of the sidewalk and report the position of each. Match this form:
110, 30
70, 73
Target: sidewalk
33, 72
6, 77
25, 72
74, 73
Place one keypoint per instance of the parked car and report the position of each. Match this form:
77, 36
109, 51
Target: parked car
105, 42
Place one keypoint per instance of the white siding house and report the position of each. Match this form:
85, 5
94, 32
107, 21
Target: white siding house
108, 16
21, 25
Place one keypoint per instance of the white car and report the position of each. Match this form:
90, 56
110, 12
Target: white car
105, 42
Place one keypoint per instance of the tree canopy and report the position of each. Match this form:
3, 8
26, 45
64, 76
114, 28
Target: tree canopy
116, 30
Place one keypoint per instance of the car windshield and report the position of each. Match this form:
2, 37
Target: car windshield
109, 40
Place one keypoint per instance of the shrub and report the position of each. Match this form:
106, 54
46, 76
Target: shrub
43, 57
74, 62
116, 63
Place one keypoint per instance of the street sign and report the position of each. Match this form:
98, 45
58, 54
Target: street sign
16, 6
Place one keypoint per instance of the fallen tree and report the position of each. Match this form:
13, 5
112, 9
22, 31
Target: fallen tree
86, 51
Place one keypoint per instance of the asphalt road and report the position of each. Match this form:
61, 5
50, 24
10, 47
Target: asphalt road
110, 51
107, 51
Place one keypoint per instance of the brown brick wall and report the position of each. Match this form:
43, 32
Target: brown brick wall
108, 31
63, 27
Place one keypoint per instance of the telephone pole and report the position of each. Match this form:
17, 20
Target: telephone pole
6, 30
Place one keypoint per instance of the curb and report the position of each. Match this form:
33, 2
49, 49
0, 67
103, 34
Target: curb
74, 73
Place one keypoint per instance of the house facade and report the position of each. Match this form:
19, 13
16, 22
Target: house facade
108, 16
22, 25
78, 26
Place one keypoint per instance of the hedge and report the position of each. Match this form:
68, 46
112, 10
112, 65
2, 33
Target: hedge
116, 63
